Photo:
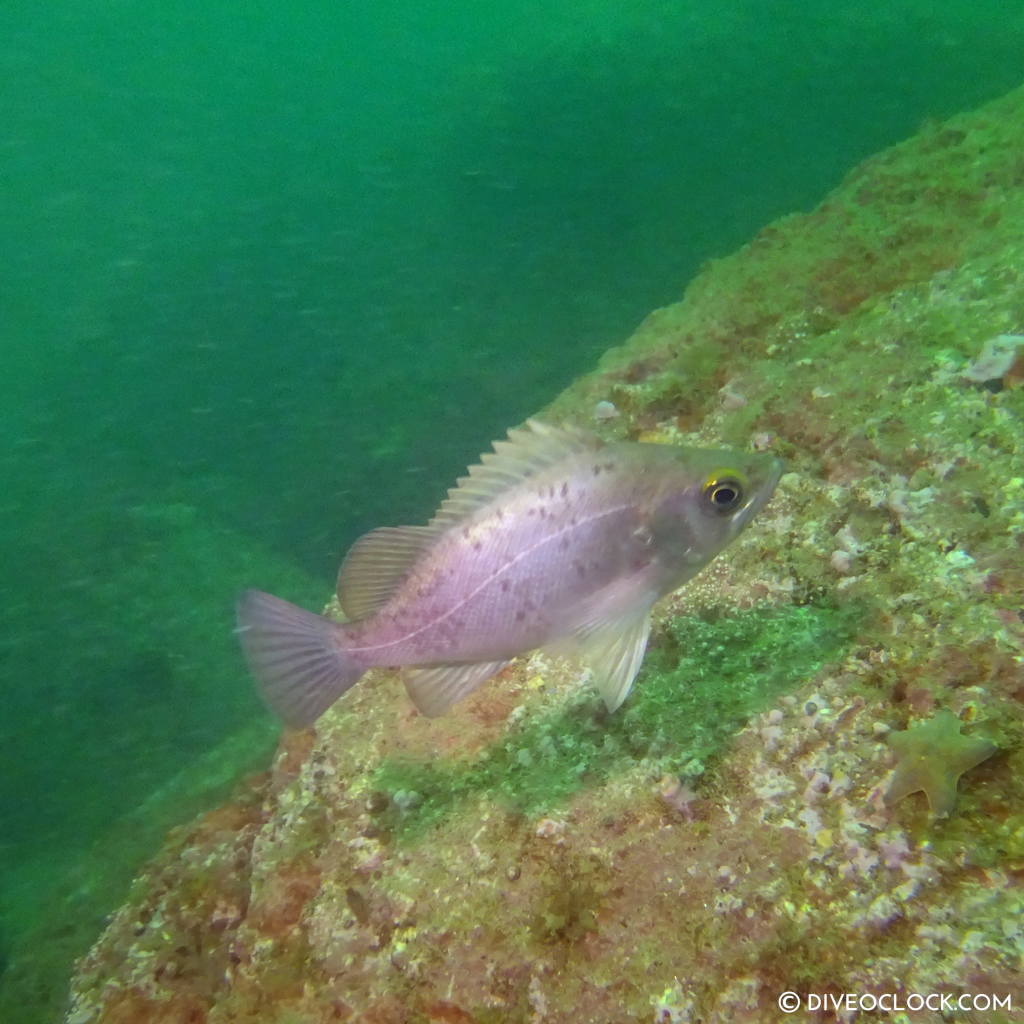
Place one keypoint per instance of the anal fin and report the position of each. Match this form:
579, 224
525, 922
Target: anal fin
435, 688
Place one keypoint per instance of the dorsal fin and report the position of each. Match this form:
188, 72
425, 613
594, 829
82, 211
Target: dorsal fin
376, 564
379, 560
524, 454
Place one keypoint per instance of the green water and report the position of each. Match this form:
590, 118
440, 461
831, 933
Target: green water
273, 274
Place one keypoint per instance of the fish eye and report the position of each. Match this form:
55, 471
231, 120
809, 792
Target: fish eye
723, 492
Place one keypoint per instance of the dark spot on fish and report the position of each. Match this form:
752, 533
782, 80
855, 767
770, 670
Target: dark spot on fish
597, 469
530, 511
477, 545
581, 569
465, 532
565, 489
505, 586
564, 544
520, 615
609, 466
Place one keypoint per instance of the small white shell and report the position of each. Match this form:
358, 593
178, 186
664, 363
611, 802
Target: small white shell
997, 357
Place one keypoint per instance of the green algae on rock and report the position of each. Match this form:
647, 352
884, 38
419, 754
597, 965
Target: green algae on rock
385, 870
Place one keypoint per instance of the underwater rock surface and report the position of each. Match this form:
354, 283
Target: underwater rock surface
723, 838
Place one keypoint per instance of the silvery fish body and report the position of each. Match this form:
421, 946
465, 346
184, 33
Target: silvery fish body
556, 538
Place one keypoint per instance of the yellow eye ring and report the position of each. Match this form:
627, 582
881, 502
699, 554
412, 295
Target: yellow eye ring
723, 490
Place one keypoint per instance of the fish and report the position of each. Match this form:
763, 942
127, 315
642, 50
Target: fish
556, 540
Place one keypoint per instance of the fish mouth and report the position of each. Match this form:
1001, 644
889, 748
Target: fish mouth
761, 495
778, 468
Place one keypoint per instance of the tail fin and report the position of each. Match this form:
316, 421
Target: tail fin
295, 656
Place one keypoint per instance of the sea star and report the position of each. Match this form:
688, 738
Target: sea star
932, 756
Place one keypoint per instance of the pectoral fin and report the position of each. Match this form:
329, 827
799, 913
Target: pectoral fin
614, 651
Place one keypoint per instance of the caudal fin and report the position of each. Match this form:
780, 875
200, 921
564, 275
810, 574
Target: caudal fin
294, 655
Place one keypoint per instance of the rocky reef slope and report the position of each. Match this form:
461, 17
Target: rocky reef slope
725, 837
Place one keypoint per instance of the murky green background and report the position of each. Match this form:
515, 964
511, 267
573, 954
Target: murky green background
274, 273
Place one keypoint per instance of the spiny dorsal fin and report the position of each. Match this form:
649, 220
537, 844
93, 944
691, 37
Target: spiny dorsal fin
524, 454
376, 564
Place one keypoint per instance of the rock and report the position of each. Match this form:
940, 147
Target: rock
516, 861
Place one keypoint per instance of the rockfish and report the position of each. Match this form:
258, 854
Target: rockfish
554, 537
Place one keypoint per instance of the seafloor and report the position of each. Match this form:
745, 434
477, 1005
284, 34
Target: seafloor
724, 837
